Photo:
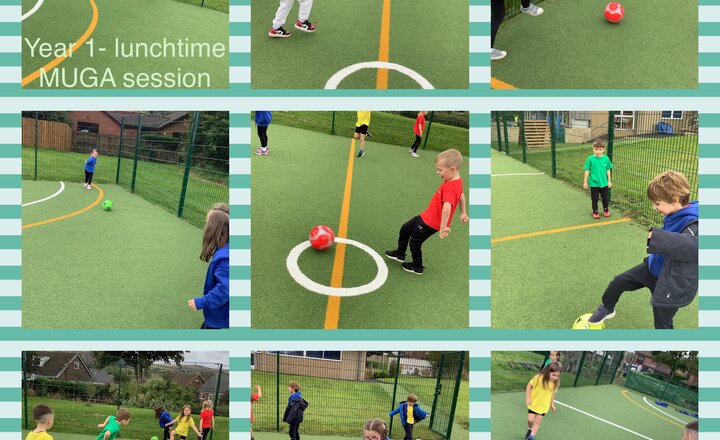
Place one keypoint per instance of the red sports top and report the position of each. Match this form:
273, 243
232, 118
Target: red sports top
450, 192
206, 418
419, 124
253, 398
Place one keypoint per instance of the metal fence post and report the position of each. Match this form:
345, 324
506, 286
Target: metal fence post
611, 142
277, 391
579, 370
122, 129
332, 124
620, 360
456, 392
397, 373
217, 394
522, 136
188, 161
427, 135
137, 150
499, 135
602, 364
24, 383
202, 4
552, 144
36, 144
505, 132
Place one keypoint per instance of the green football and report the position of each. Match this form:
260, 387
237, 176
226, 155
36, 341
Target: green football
108, 205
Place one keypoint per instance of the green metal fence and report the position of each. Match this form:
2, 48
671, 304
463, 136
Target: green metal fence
443, 129
83, 388
662, 390
638, 144
512, 370
218, 5
345, 389
185, 171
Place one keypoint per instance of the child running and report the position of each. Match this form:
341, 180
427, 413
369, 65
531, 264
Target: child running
90, 168
164, 418
540, 396
670, 272
597, 169
302, 23
361, 129
215, 302
262, 121
375, 429
437, 216
111, 425
207, 418
418, 130
410, 414
184, 423
44, 419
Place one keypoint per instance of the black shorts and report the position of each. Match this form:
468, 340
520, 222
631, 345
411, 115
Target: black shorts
537, 414
361, 129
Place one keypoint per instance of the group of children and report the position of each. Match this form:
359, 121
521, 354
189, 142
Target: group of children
44, 418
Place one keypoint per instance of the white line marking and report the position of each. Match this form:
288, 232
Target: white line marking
33, 10
335, 80
517, 174
603, 420
654, 406
303, 280
62, 188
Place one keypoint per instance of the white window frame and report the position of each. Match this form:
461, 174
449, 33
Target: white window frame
623, 115
305, 356
672, 114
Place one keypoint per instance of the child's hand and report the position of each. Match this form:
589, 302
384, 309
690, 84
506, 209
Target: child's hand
191, 304
100, 425
444, 232
609, 184
585, 185
553, 406
650, 234
528, 401
464, 218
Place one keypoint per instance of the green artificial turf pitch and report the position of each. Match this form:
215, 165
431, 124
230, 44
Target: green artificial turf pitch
430, 38
549, 280
130, 21
509, 415
133, 267
300, 185
572, 46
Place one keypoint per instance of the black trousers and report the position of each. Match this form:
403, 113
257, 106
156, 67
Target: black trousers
294, 434
262, 134
596, 192
634, 279
206, 431
88, 177
408, 431
414, 232
416, 144
166, 433
497, 15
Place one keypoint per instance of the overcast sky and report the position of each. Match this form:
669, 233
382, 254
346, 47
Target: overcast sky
222, 357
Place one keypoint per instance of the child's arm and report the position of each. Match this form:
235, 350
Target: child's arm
528, 389
220, 294
173, 421
102, 425
393, 412
585, 179
552, 402
444, 229
680, 247
213, 422
609, 177
463, 213
259, 391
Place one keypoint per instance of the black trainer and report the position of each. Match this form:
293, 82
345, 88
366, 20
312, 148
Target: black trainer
601, 314
409, 267
395, 255
279, 33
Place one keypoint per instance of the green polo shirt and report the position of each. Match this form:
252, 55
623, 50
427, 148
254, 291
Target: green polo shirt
598, 167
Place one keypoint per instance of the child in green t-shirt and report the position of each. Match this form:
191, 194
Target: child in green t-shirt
597, 169
111, 426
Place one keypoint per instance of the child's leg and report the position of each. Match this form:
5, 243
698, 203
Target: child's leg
406, 231
531, 420
166, 433
205, 432
305, 8
594, 196
282, 12
362, 141
90, 176
262, 134
632, 279
605, 194
172, 435
416, 144
87, 176
536, 425
664, 317
497, 14
409, 431
420, 233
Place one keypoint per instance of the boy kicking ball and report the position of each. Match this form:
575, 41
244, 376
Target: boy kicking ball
302, 23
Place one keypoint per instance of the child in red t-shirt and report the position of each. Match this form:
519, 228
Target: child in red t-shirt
207, 418
418, 130
437, 216
254, 398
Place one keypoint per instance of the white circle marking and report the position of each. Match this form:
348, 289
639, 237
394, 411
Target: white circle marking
335, 80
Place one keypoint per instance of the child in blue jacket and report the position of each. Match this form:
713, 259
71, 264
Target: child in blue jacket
410, 413
164, 418
295, 410
215, 302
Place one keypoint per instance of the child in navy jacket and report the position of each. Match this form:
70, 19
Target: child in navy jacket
410, 413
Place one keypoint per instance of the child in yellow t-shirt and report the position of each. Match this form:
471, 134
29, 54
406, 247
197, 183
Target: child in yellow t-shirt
44, 419
184, 423
540, 396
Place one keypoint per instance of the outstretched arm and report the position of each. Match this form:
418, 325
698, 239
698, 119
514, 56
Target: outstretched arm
259, 391
103, 424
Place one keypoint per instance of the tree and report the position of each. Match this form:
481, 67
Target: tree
49, 116
32, 362
138, 360
674, 359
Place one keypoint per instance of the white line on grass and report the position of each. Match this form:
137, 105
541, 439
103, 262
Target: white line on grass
335, 80
653, 406
603, 420
62, 188
33, 10
517, 174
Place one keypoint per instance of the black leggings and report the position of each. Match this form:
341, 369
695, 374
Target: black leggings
262, 134
596, 192
416, 144
206, 431
497, 15
88, 177
166, 433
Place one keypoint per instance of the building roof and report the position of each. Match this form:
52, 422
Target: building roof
149, 120
54, 363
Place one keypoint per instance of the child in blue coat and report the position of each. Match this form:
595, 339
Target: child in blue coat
410, 413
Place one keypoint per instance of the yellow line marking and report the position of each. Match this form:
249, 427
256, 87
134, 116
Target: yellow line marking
624, 393
555, 231
101, 193
384, 55
332, 313
74, 47
498, 84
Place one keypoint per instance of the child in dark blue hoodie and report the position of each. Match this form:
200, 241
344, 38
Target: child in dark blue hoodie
295, 410
671, 269
215, 302
410, 414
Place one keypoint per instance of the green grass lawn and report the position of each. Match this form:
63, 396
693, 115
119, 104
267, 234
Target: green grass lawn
348, 32
133, 267
572, 46
300, 185
512, 370
82, 418
130, 21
